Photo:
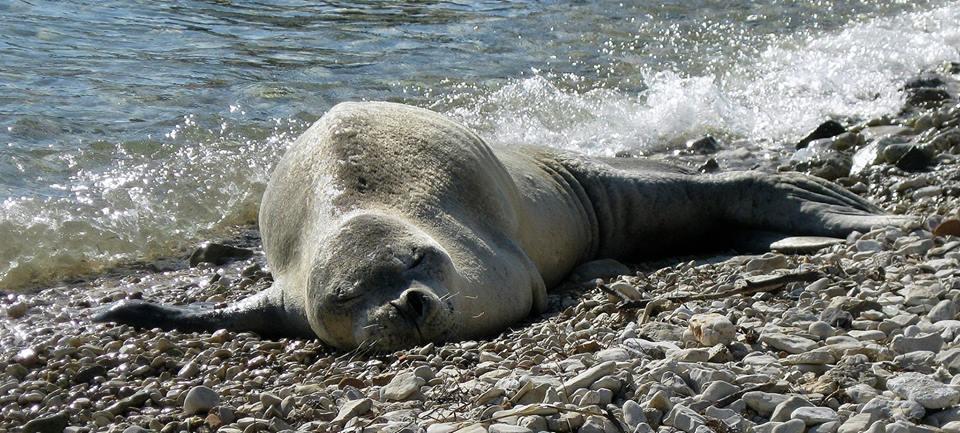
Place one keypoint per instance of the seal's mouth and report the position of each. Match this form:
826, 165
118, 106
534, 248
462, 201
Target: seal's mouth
409, 317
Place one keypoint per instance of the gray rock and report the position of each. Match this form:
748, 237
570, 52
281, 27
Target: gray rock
47, 424
87, 374
924, 390
717, 390
882, 408
792, 426
766, 427
861, 393
827, 427
200, 399
950, 359
763, 402
783, 410
821, 330
508, 428
711, 329
136, 429
353, 408
803, 244
813, 357
633, 414
856, 424
906, 427
402, 386
920, 361
626, 290
944, 310
590, 375
814, 415
597, 424
828, 129
218, 254
613, 354
684, 418
928, 342
766, 263
788, 343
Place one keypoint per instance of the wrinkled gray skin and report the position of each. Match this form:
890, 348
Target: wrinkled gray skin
387, 226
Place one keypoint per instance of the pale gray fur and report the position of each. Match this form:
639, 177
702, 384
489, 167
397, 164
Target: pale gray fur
387, 225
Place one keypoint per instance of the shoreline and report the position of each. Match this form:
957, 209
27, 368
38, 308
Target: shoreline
879, 312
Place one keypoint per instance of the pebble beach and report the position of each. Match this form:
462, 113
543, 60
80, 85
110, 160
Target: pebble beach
858, 335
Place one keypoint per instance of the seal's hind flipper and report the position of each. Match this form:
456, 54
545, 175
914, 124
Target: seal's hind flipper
259, 313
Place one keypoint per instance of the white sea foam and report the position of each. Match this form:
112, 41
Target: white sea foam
795, 83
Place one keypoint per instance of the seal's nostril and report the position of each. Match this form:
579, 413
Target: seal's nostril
418, 303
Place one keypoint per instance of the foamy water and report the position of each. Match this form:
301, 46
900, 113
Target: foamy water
142, 140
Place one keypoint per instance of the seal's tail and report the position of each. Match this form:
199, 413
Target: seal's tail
259, 313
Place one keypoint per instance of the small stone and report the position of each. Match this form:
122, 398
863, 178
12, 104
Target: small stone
861, 393
883, 408
949, 227
135, 429
814, 415
858, 423
17, 310
218, 254
929, 342
717, 390
47, 424
595, 424
507, 428
827, 427
402, 386
922, 389
792, 426
189, 370
803, 244
828, 129
944, 310
87, 374
684, 418
633, 414
788, 343
627, 290
813, 357
821, 330
783, 410
353, 408
766, 263
763, 402
703, 146
200, 399
711, 329
590, 375
27, 357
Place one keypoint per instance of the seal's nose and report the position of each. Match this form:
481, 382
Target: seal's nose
417, 305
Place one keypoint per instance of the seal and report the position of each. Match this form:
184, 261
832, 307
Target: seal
388, 226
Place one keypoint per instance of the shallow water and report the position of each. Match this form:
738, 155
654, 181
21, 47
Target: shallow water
133, 130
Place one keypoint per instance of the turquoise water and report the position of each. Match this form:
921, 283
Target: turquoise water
131, 130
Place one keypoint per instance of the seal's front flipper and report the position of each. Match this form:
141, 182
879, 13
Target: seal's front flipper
263, 313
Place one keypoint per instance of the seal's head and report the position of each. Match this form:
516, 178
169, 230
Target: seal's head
382, 283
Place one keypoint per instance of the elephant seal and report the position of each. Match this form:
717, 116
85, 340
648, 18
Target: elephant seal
387, 225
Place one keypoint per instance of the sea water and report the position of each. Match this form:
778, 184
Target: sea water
130, 131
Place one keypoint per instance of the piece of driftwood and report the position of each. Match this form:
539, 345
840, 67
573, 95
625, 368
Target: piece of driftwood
745, 287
